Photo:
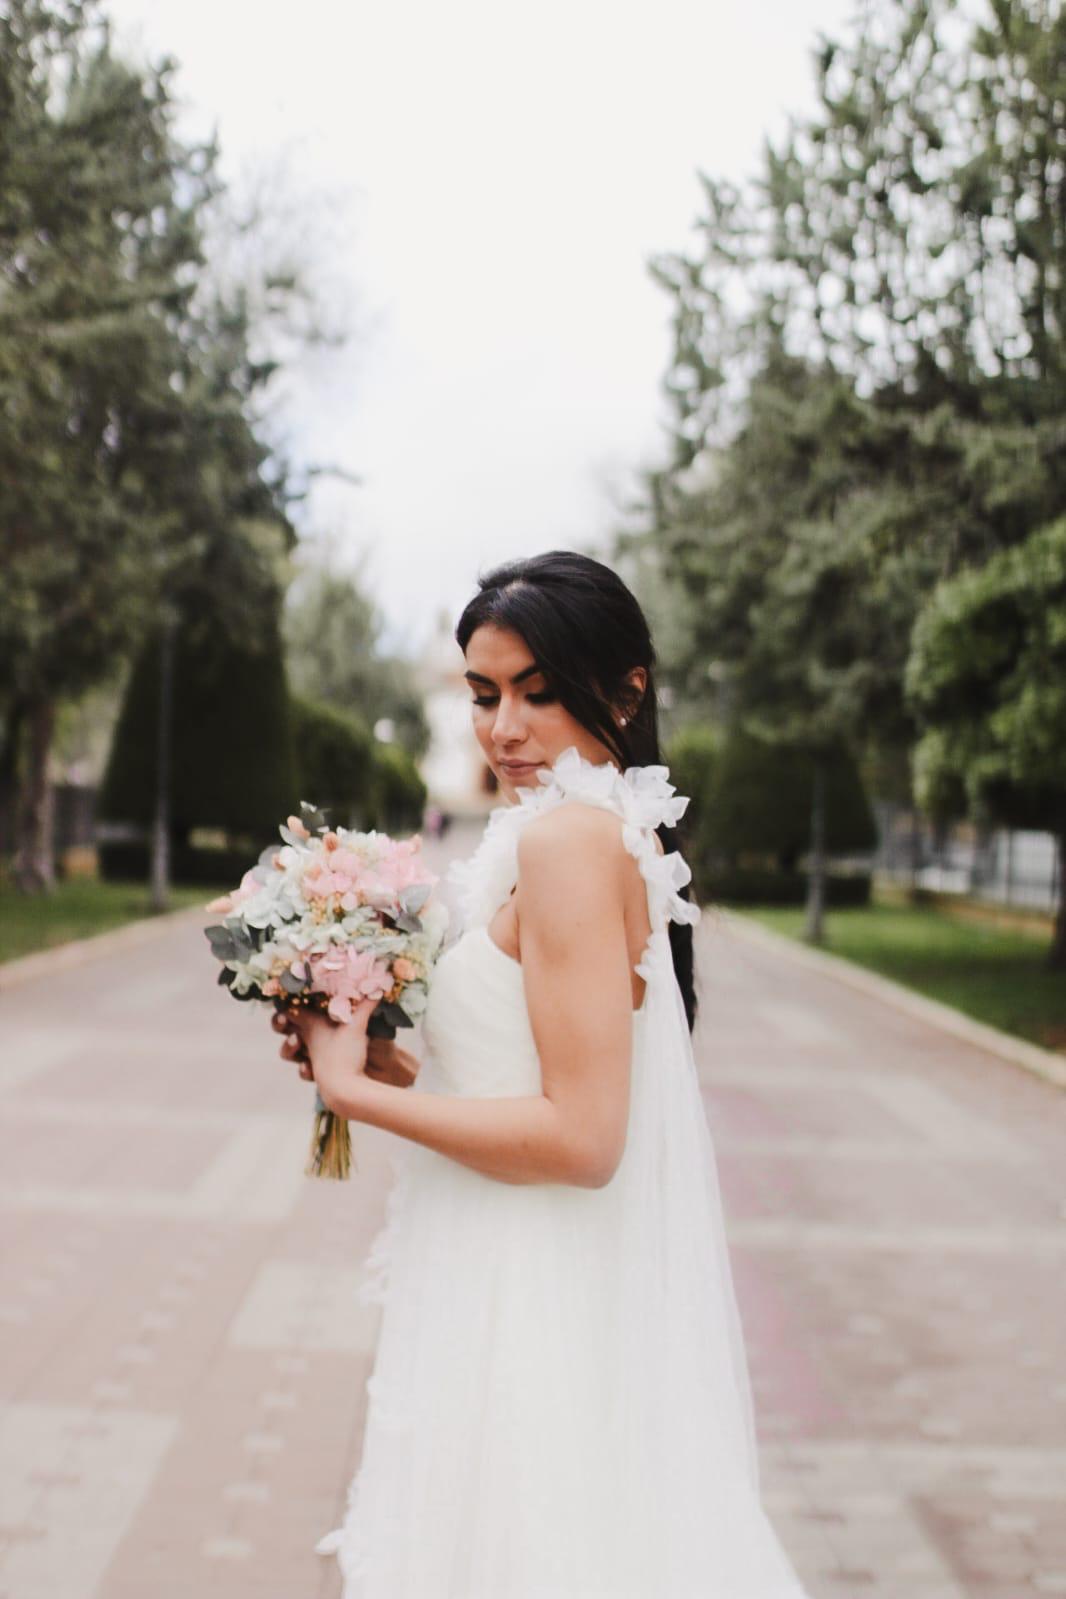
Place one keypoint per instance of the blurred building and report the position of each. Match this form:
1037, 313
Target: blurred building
455, 771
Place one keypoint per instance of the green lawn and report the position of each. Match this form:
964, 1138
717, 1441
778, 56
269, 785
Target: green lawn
994, 975
78, 908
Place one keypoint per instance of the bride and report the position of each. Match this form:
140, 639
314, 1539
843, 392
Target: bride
559, 1406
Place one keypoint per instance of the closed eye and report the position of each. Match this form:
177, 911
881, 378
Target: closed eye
534, 699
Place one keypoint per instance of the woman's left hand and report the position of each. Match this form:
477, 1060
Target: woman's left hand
337, 1052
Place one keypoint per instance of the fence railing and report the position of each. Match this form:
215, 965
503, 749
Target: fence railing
1011, 866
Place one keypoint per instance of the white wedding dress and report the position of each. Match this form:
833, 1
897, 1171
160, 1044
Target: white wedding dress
559, 1406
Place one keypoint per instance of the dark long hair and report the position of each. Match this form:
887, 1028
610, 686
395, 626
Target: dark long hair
587, 632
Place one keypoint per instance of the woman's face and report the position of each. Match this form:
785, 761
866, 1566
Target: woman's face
519, 721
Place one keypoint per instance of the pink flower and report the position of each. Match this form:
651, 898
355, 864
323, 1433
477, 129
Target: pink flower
348, 975
227, 902
340, 873
294, 824
404, 969
400, 867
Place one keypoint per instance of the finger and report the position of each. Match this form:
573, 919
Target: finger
362, 1012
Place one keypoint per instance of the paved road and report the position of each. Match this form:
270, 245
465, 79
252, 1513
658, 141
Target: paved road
183, 1356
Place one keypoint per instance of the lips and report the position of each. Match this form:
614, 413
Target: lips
518, 767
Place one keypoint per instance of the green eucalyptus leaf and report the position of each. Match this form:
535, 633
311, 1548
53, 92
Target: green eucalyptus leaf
415, 896
223, 944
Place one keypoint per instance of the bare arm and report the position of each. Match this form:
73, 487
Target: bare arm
575, 966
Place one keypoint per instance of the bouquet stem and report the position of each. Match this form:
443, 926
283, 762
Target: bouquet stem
331, 1146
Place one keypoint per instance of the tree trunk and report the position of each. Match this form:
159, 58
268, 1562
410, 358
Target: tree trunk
1056, 955
979, 859
34, 867
914, 840
15, 712
813, 930
160, 897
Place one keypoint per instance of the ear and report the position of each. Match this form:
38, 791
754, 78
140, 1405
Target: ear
637, 681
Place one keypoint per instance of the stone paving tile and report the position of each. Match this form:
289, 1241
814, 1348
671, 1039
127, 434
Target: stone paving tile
183, 1354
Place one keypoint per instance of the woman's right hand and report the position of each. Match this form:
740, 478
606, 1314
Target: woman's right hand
387, 1062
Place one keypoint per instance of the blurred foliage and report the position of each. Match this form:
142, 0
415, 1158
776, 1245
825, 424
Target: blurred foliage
81, 907
692, 755
760, 796
131, 476
334, 761
750, 804
206, 865
232, 744
988, 676
332, 634
765, 885
400, 794
867, 403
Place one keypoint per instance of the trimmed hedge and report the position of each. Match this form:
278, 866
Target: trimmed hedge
760, 800
750, 798
765, 886
335, 761
128, 862
232, 756
399, 792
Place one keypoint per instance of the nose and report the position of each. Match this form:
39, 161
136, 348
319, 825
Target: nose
506, 724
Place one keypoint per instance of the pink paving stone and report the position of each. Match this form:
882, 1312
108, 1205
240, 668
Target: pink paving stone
845, 1112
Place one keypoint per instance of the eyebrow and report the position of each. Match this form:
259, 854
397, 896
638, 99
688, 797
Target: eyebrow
478, 677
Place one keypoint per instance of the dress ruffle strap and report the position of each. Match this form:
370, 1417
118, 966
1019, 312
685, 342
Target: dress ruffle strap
642, 795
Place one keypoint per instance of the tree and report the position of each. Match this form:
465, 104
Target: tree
987, 675
148, 509
806, 629
97, 244
866, 383
332, 633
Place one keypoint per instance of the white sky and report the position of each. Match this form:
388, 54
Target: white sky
484, 183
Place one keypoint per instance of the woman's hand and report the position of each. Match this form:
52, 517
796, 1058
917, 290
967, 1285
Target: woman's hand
293, 1047
333, 1054
386, 1062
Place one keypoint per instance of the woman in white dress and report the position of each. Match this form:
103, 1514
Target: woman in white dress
559, 1406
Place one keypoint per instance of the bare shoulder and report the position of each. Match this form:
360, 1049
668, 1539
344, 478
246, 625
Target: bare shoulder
573, 854
572, 833
576, 834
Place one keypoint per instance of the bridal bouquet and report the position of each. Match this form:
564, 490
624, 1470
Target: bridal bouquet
326, 919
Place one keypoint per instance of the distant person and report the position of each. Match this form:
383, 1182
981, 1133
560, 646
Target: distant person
433, 823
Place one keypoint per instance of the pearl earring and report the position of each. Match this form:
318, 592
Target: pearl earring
621, 721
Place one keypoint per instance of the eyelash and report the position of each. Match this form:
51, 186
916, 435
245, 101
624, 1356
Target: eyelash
534, 699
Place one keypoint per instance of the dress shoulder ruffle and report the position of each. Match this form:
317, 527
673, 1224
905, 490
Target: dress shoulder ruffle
642, 796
